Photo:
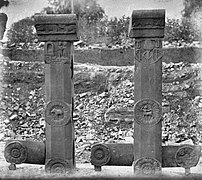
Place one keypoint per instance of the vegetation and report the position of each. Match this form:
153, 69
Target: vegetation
191, 7
96, 28
4, 3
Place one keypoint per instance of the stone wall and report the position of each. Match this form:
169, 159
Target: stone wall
110, 57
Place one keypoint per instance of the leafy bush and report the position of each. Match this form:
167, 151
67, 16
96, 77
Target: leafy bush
180, 31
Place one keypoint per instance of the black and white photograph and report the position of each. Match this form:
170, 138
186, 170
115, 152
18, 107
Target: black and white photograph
101, 89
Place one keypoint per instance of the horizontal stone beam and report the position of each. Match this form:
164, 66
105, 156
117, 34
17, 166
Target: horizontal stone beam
17, 152
122, 155
109, 57
33, 152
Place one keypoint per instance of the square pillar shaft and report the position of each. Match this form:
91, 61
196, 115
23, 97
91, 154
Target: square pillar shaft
147, 27
58, 32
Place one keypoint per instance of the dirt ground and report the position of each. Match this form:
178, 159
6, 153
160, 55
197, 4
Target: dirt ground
86, 171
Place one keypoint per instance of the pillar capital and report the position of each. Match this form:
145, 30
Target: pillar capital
147, 24
56, 27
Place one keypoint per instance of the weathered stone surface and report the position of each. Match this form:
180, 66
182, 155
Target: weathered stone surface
56, 27
3, 21
147, 23
147, 27
110, 57
58, 32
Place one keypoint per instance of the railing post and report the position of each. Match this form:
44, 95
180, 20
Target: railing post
3, 21
58, 32
147, 27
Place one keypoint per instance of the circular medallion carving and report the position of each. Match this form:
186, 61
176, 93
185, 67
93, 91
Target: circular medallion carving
147, 112
147, 166
100, 155
15, 152
57, 166
58, 113
187, 156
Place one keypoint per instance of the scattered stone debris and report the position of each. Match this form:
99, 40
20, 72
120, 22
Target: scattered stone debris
103, 107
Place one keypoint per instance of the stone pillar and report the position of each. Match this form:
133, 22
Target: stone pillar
3, 21
58, 32
147, 27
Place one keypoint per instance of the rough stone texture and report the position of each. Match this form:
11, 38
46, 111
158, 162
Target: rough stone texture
3, 21
56, 27
147, 27
110, 57
58, 32
147, 23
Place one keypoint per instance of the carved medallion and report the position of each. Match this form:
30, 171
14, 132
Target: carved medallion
58, 113
187, 156
57, 166
100, 155
148, 51
147, 112
147, 166
15, 152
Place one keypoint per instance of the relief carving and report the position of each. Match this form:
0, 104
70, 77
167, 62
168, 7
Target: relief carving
56, 52
100, 155
15, 152
187, 156
147, 112
148, 23
57, 166
148, 51
51, 29
58, 113
147, 166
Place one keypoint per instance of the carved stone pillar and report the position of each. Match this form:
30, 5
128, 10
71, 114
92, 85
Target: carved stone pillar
3, 21
147, 27
58, 32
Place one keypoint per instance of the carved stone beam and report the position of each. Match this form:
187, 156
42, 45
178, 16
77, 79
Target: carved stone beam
58, 32
147, 27
186, 156
18, 152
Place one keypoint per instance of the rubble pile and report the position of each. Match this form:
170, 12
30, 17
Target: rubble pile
103, 103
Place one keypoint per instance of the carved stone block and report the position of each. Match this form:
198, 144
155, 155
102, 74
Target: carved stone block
57, 52
187, 156
147, 23
147, 166
57, 27
148, 51
15, 152
57, 166
58, 113
147, 112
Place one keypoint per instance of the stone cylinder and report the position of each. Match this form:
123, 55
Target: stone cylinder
122, 155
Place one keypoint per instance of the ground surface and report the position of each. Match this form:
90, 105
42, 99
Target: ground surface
86, 170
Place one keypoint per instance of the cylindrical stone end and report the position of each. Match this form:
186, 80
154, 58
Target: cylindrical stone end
15, 152
100, 155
